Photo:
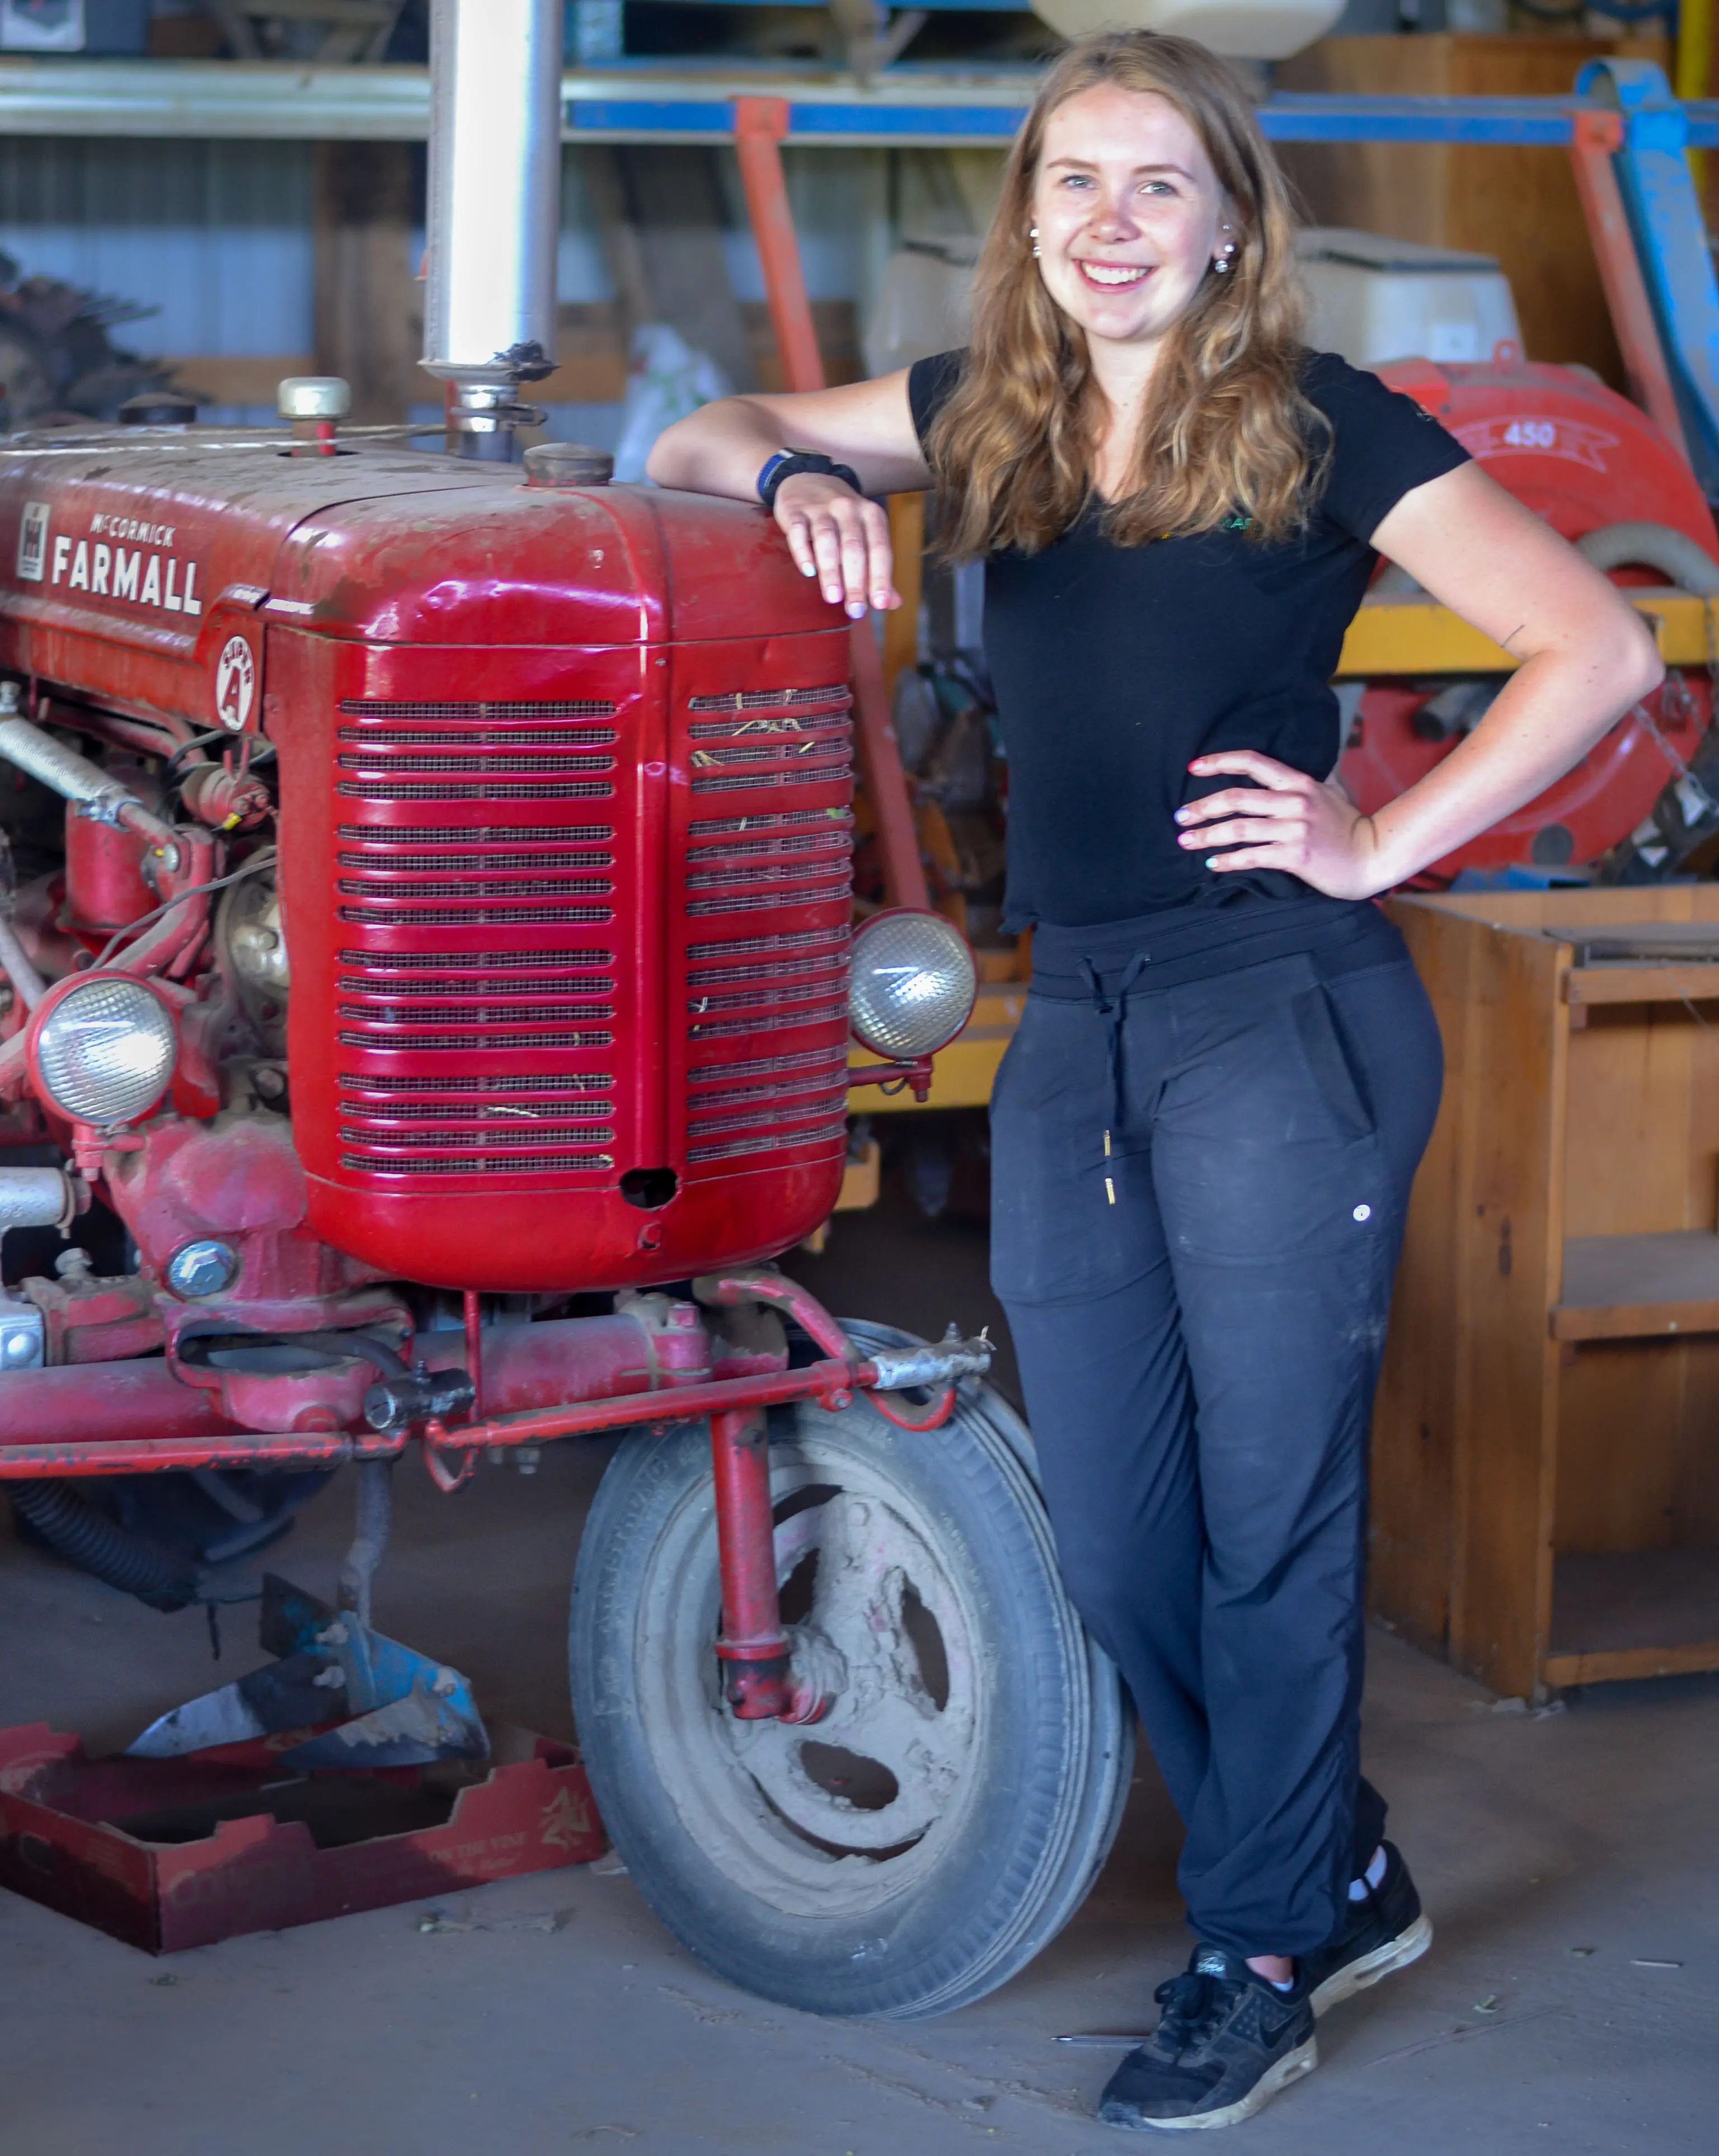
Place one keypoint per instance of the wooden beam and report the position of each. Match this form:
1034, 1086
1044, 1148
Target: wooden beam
369, 308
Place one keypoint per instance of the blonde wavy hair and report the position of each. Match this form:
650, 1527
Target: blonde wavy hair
1226, 431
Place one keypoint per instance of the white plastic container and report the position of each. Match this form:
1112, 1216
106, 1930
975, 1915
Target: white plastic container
1239, 29
1375, 299
924, 304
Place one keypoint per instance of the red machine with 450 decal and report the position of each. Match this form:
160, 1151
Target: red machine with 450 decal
1602, 475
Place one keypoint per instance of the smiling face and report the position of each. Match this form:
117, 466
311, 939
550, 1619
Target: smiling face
1130, 213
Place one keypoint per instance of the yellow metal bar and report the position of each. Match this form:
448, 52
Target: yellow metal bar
1695, 64
1418, 636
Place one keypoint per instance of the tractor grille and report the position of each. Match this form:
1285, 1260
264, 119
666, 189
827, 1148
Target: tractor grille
503, 1041
778, 875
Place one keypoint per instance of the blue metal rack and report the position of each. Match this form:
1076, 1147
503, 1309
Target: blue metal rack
892, 113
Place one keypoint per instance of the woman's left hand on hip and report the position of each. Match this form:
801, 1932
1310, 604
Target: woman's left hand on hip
1307, 827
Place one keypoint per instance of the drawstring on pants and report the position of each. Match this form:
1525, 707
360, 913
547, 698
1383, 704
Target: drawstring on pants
1114, 1008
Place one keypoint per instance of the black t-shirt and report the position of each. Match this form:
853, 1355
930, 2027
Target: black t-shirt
1115, 666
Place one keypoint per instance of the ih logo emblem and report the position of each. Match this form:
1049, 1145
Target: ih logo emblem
33, 543
235, 683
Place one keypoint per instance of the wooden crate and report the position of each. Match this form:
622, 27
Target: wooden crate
1546, 1449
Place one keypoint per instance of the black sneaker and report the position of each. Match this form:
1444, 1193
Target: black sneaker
1385, 1931
1228, 2042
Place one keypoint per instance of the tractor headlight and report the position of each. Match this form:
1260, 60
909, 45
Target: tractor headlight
912, 985
104, 1051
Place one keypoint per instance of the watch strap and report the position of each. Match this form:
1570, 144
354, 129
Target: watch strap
786, 463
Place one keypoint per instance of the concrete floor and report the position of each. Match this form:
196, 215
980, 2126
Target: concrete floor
1565, 1859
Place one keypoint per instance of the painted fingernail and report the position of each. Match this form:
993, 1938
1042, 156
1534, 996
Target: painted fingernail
856, 609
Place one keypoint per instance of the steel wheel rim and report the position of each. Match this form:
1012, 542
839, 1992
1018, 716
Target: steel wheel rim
767, 1814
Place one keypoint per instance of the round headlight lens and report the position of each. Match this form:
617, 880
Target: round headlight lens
912, 985
105, 1050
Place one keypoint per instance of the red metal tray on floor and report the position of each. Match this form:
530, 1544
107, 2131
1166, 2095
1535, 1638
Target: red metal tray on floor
171, 1853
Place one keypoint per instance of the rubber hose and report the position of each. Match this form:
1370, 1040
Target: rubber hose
1642, 546
99, 1546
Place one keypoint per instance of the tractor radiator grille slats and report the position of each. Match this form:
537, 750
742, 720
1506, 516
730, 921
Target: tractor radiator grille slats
761, 1066
479, 763
776, 1117
381, 1021
478, 962
813, 939
804, 774
545, 858
798, 743
771, 699
475, 737
538, 995
439, 887
824, 967
767, 1021
398, 1115
829, 1134
481, 917
490, 1161
547, 1086
567, 789
433, 1044
781, 873
373, 707
744, 901
778, 819
834, 840
771, 735
822, 988
415, 836
481, 1141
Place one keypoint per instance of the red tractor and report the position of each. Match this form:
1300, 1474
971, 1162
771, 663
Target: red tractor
428, 977
432, 947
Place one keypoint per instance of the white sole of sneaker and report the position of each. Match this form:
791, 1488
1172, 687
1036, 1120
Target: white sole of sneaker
1291, 2067
1362, 1974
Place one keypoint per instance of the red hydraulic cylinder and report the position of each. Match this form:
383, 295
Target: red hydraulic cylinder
752, 1647
94, 1403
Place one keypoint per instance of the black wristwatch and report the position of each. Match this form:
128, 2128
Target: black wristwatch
786, 462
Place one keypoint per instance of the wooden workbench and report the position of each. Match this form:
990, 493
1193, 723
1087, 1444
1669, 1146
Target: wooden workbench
1547, 1442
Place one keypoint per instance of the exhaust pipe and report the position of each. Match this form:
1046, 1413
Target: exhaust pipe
495, 205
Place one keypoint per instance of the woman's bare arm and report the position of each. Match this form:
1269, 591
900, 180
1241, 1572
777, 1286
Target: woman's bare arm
840, 537
1586, 658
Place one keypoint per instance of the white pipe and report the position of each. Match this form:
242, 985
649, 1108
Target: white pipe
495, 190
35, 1197
15, 964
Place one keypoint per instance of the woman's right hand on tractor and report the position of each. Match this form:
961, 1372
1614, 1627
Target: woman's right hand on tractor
840, 538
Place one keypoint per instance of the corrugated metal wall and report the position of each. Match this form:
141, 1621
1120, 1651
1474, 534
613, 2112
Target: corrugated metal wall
215, 236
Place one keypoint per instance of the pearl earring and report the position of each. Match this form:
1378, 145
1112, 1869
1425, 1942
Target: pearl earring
1033, 237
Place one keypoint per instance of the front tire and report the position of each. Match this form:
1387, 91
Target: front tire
917, 1847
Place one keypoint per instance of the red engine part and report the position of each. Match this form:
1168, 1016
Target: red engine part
1583, 458
565, 839
104, 888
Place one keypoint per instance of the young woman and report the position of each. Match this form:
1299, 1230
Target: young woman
1206, 1129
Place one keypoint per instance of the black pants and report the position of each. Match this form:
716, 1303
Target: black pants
1198, 1198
